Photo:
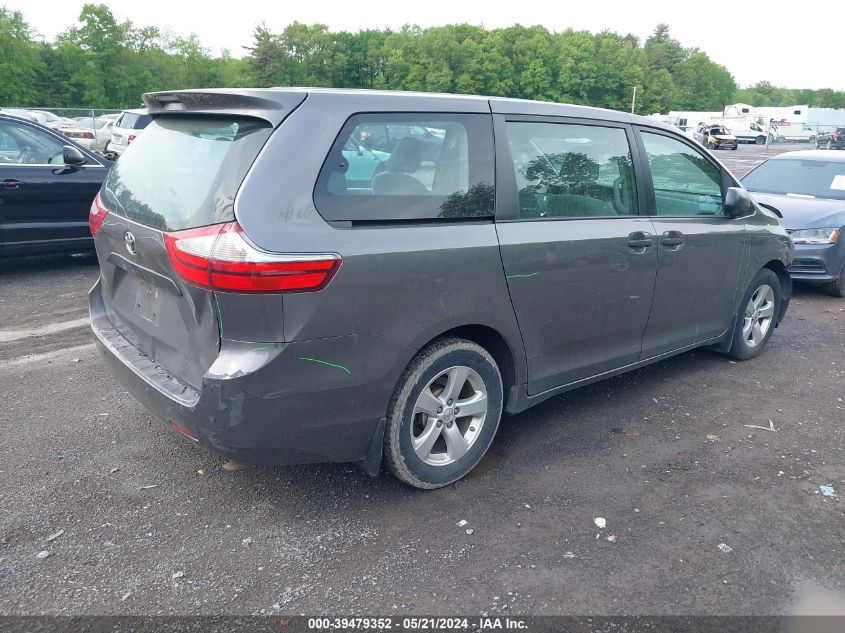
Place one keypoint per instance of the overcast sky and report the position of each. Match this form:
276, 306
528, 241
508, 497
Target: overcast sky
790, 48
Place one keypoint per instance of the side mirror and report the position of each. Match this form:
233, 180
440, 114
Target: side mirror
73, 157
737, 202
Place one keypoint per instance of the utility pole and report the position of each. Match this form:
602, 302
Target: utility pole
634, 100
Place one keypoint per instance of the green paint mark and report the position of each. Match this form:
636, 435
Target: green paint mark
219, 317
521, 276
322, 362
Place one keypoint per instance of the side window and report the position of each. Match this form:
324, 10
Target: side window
685, 182
397, 167
25, 145
8, 147
565, 170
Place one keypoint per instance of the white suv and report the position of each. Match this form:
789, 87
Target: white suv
130, 124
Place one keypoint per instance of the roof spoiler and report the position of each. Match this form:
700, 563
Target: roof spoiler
272, 106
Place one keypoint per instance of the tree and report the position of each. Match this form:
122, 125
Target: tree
20, 63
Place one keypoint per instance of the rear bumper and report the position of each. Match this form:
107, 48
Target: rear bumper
273, 403
817, 263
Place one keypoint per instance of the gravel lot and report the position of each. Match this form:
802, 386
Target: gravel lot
707, 514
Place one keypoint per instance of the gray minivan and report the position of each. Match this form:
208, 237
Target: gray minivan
301, 275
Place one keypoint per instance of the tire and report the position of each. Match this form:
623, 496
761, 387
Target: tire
836, 288
760, 140
412, 415
735, 146
812, 139
771, 138
761, 298
780, 139
829, 144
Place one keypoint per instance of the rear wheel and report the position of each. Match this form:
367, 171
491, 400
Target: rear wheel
443, 414
757, 316
780, 139
836, 288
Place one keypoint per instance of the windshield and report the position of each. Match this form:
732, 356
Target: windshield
818, 178
184, 172
719, 131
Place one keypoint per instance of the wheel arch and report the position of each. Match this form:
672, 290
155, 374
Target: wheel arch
778, 267
497, 345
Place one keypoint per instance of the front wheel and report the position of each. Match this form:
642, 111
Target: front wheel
812, 139
760, 140
444, 413
757, 316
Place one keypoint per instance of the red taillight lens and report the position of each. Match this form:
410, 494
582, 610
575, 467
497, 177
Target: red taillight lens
218, 257
130, 139
96, 215
835, 136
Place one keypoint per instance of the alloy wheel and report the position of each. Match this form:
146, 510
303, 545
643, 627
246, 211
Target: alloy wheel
448, 416
759, 315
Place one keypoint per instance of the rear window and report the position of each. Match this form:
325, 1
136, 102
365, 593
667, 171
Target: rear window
405, 167
134, 121
819, 178
184, 172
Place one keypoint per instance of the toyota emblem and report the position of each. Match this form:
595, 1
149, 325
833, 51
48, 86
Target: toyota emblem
130, 242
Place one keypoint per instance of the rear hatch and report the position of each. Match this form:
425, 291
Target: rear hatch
180, 175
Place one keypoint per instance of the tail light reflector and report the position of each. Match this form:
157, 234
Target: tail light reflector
96, 215
130, 139
219, 258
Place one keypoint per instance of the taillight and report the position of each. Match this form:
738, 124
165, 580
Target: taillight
218, 257
835, 136
130, 139
96, 215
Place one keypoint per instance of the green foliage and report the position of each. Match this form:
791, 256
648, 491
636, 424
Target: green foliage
100, 62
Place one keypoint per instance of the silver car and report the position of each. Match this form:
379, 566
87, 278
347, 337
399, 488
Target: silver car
126, 129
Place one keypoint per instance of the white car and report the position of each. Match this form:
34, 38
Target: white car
126, 129
50, 120
92, 134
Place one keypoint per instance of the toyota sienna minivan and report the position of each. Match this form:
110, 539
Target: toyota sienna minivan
303, 275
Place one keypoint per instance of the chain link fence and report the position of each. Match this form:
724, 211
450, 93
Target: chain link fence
90, 127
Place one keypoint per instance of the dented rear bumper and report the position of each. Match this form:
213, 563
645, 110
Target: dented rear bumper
279, 403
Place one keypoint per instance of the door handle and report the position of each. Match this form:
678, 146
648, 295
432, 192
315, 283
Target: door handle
673, 240
11, 183
640, 241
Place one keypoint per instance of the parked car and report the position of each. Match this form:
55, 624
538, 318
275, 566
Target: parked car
808, 188
92, 134
48, 183
270, 309
834, 139
50, 120
126, 129
17, 112
798, 132
715, 137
